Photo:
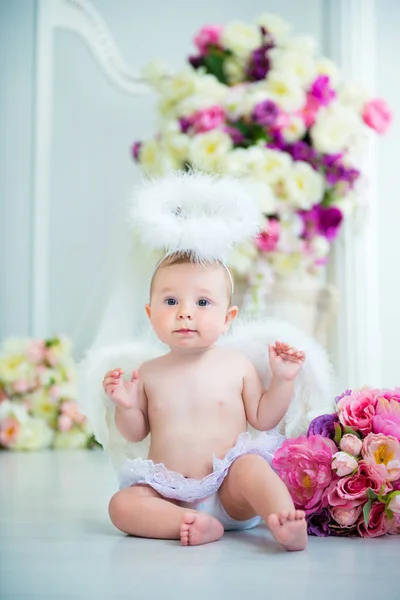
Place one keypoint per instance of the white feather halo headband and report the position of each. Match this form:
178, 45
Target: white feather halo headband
206, 215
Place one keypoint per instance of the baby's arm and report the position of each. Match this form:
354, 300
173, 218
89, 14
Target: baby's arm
131, 417
266, 408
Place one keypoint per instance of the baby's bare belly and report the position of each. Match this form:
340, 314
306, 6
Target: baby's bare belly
190, 451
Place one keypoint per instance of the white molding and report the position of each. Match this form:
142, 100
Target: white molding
359, 342
80, 17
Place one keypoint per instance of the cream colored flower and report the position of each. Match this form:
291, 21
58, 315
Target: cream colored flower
15, 410
303, 186
255, 94
234, 101
74, 439
301, 44
237, 162
35, 435
320, 246
180, 85
286, 90
271, 166
294, 130
208, 151
242, 258
326, 66
353, 96
234, 69
335, 128
154, 160
241, 38
14, 364
43, 406
207, 92
294, 63
276, 26
155, 72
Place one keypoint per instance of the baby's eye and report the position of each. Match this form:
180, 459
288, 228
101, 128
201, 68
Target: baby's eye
171, 301
203, 302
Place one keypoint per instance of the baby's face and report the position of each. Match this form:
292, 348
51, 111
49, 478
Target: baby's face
189, 305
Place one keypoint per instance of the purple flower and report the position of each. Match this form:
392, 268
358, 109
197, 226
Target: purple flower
318, 523
346, 393
321, 91
185, 124
321, 220
236, 135
136, 150
266, 113
259, 64
323, 425
278, 142
196, 61
302, 151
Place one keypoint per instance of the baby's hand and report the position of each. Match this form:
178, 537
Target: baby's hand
123, 393
285, 361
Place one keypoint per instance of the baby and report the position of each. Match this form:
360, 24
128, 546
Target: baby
196, 401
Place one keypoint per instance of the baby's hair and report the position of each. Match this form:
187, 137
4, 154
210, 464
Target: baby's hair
186, 257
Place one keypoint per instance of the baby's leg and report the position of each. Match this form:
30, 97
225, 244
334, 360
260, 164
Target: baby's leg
141, 511
253, 488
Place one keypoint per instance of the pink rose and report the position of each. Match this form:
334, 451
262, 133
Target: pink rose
70, 409
266, 241
343, 463
384, 451
377, 524
304, 464
352, 491
346, 517
351, 444
387, 417
207, 119
21, 386
36, 351
357, 410
9, 431
394, 503
393, 525
65, 423
377, 115
209, 35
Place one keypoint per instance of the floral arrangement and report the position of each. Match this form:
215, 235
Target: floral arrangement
345, 473
259, 102
38, 397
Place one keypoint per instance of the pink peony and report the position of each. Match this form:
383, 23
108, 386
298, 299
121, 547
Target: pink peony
344, 463
207, 119
377, 524
310, 111
36, 351
304, 464
266, 241
65, 423
393, 525
383, 450
209, 35
387, 417
377, 115
357, 410
351, 444
346, 517
349, 492
9, 431
21, 386
70, 409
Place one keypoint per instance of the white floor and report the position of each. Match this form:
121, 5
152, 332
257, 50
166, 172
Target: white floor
57, 542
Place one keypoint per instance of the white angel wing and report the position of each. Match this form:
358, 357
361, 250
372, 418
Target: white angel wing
98, 408
314, 384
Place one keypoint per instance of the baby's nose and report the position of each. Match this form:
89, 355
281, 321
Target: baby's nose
184, 314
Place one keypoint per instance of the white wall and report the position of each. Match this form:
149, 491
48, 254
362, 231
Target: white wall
388, 86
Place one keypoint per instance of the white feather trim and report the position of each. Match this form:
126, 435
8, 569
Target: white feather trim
313, 387
206, 215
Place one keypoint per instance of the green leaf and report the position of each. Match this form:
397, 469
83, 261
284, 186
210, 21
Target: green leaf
214, 64
350, 430
366, 511
371, 494
338, 433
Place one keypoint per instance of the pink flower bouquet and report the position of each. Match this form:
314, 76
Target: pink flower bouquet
345, 473
38, 397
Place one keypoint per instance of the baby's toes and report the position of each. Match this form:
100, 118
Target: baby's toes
283, 516
300, 514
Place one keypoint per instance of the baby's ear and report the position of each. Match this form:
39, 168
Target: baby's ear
148, 310
230, 316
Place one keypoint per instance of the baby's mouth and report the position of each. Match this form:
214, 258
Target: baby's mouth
185, 330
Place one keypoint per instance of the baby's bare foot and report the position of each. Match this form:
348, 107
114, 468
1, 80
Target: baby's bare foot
199, 528
289, 528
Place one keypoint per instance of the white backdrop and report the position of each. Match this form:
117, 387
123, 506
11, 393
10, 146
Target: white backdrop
62, 202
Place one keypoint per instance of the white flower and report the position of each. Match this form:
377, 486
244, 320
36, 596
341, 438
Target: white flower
43, 406
74, 439
242, 258
336, 127
234, 101
286, 90
155, 71
180, 85
301, 44
35, 434
294, 130
352, 95
153, 160
326, 66
208, 91
320, 246
294, 63
268, 165
268, 202
14, 363
304, 187
234, 69
276, 26
241, 38
255, 95
208, 151
15, 410
237, 162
